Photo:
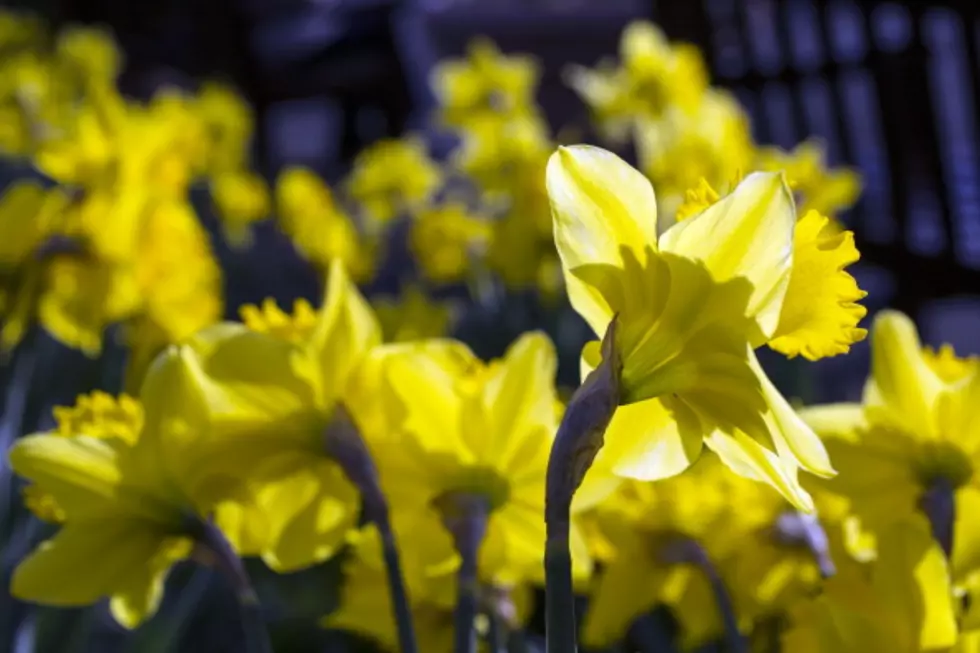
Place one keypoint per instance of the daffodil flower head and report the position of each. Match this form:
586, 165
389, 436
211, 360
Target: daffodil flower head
818, 187
392, 177
475, 433
320, 230
446, 239
242, 198
484, 84
269, 318
910, 446
692, 304
272, 400
125, 517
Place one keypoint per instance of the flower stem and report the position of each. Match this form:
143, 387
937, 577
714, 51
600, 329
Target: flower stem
938, 503
691, 552
580, 437
344, 444
465, 517
496, 632
217, 547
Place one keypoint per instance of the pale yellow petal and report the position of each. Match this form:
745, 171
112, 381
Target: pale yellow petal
600, 204
902, 380
748, 233
835, 420
139, 593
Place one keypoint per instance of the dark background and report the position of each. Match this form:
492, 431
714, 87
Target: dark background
892, 88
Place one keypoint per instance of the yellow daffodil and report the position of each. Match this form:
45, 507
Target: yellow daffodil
392, 177
412, 316
241, 198
230, 125
477, 430
272, 397
692, 303
125, 516
484, 85
652, 78
827, 191
446, 240
269, 318
318, 227
912, 440
505, 155
905, 606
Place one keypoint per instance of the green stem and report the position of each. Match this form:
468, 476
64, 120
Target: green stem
213, 541
560, 622
735, 642
465, 517
343, 442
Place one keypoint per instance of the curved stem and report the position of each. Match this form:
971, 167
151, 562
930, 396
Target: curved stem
343, 442
214, 543
580, 437
735, 642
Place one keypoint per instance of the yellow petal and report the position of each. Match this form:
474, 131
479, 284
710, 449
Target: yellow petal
912, 579
600, 204
791, 434
85, 562
651, 440
140, 592
519, 399
746, 457
345, 330
82, 474
902, 380
749, 233
310, 513
820, 313
966, 532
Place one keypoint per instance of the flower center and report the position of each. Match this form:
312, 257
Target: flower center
482, 483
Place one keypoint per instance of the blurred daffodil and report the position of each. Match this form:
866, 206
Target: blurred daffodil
241, 198
484, 85
910, 446
652, 77
125, 514
446, 240
392, 177
475, 437
692, 303
818, 188
277, 396
319, 228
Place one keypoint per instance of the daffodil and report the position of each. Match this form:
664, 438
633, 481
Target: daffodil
910, 446
653, 76
904, 605
392, 177
413, 315
446, 240
691, 304
242, 198
477, 431
818, 187
229, 127
273, 390
319, 228
125, 516
484, 85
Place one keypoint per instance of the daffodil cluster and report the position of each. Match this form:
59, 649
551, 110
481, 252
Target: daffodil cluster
109, 234
451, 488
